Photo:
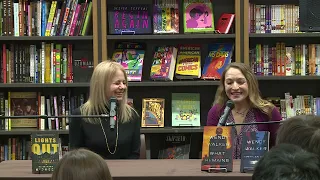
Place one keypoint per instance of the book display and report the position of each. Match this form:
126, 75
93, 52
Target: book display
173, 52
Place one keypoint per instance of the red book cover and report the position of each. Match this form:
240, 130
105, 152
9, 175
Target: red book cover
224, 23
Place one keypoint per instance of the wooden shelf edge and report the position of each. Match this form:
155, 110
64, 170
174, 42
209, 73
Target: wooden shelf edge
142, 131
283, 35
287, 78
45, 38
170, 36
155, 83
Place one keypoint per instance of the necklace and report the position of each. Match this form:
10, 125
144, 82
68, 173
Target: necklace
105, 137
242, 113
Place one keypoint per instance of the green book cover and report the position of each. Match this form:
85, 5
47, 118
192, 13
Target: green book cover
185, 109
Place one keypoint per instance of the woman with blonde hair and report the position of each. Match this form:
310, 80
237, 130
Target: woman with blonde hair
81, 164
108, 80
240, 85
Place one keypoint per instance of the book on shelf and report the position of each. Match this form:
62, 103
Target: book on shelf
46, 18
129, 19
285, 60
276, 18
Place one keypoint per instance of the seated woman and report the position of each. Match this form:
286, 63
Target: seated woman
240, 85
108, 80
303, 131
81, 164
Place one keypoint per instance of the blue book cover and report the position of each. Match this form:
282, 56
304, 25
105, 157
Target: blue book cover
254, 146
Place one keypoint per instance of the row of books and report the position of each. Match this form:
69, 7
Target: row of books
198, 16
36, 103
47, 63
217, 149
290, 106
45, 18
273, 18
183, 61
283, 60
19, 148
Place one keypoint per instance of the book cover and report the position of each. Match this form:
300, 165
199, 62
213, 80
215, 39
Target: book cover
129, 19
152, 112
165, 17
24, 104
164, 61
188, 64
131, 56
217, 149
176, 146
185, 109
219, 57
224, 23
44, 152
254, 146
198, 16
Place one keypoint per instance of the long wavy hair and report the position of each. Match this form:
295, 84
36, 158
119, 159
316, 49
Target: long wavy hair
98, 101
253, 90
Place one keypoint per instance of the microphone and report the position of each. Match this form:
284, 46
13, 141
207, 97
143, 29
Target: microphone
226, 112
113, 113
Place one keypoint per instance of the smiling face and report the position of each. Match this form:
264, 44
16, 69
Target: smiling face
236, 86
118, 86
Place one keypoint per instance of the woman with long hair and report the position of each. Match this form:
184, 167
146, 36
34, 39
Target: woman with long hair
109, 80
240, 85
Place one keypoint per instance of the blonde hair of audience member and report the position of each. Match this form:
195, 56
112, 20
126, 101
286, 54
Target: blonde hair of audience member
253, 90
98, 101
303, 130
81, 164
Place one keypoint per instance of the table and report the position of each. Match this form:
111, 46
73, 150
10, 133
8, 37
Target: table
154, 169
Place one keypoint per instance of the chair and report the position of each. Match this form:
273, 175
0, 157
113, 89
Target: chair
143, 154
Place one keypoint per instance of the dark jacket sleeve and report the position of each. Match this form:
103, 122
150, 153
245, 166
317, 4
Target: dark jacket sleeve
135, 145
76, 139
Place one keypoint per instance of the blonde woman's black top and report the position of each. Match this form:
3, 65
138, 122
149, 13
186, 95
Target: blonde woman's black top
90, 136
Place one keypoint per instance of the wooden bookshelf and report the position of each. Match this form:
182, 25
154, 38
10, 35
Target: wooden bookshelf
142, 130
46, 38
103, 45
171, 36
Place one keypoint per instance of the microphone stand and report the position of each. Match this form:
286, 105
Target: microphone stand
251, 123
61, 116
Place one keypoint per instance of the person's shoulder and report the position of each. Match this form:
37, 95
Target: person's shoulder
216, 108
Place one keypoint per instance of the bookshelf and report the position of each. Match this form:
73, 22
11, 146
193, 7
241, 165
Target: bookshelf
147, 88
99, 45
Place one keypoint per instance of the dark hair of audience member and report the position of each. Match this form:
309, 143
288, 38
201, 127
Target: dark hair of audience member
287, 162
303, 131
81, 164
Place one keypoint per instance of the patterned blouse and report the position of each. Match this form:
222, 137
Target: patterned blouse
250, 117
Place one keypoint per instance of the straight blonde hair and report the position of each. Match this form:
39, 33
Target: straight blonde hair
98, 102
81, 164
253, 87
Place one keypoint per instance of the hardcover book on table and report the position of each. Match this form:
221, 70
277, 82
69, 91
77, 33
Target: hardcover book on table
44, 152
254, 146
217, 149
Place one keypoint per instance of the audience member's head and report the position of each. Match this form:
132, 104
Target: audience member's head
287, 162
81, 164
303, 131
